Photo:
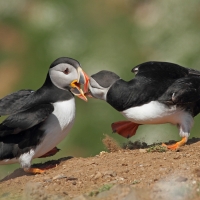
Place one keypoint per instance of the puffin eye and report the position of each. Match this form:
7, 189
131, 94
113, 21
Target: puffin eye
66, 71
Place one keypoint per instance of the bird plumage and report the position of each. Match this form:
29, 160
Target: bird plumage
160, 92
38, 120
153, 81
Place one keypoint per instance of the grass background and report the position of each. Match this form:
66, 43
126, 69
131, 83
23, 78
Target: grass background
114, 35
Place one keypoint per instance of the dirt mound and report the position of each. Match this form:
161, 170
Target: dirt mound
147, 173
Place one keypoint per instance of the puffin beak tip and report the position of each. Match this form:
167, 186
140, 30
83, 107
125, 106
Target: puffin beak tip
82, 96
83, 79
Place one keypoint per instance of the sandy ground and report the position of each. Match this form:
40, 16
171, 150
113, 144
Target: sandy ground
128, 174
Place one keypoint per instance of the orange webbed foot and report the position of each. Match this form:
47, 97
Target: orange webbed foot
34, 170
177, 145
125, 128
39, 170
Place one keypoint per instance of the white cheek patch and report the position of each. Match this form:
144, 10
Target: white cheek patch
59, 78
99, 93
56, 78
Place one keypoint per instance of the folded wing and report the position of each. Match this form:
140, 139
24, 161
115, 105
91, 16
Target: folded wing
12, 103
18, 122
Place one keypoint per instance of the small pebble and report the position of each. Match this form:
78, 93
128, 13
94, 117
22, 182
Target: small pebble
177, 156
197, 172
47, 180
181, 179
102, 153
60, 176
98, 175
120, 178
142, 150
110, 173
194, 182
71, 179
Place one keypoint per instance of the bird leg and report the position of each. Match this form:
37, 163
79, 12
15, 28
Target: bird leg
125, 128
42, 170
177, 144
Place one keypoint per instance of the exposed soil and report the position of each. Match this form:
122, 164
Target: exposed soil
141, 173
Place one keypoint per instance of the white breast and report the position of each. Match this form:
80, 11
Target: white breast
155, 113
57, 126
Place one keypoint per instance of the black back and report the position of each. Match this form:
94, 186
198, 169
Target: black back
151, 82
70, 61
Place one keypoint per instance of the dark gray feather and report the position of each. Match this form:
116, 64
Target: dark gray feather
14, 102
25, 120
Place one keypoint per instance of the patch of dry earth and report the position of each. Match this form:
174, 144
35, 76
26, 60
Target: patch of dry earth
120, 174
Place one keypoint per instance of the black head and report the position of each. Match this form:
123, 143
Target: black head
67, 74
101, 82
66, 60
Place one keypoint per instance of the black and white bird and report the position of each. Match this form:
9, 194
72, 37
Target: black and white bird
38, 120
161, 92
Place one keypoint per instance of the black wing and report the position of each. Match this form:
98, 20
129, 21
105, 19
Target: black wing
25, 120
10, 104
182, 91
160, 70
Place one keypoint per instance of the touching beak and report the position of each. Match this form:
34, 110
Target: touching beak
83, 79
86, 89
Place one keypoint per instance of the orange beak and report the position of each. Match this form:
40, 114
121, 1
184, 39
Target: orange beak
85, 89
76, 85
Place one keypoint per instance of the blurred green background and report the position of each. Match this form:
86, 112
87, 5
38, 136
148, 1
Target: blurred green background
106, 34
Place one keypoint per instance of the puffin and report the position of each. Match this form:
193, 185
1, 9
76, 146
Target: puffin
160, 92
38, 120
